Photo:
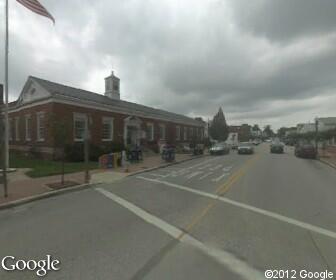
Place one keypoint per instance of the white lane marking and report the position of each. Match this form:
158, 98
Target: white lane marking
226, 169
186, 170
158, 175
205, 175
267, 213
220, 177
227, 259
194, 174
216, 167
204, 166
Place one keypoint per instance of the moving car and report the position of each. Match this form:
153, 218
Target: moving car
245, 148
277, 147
219, 149
305, 150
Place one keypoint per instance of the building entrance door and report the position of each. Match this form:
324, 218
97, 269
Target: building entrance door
132, 135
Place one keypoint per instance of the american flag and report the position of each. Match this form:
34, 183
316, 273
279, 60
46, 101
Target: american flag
36, 7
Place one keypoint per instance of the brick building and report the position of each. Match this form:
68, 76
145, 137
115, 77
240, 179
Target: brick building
107, 118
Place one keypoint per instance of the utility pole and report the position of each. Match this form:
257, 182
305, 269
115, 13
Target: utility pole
316, 135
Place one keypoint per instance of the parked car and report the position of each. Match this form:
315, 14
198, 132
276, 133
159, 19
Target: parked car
305, 150
245, 148
219, 149
277, 147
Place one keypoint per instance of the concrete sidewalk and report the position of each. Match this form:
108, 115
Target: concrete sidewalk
328, 155
21, 186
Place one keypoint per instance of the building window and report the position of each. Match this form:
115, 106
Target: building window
150, 132
40, 125
28, 127
17, 129
162, 132
178, 133
185, 134
107, 129
79, 126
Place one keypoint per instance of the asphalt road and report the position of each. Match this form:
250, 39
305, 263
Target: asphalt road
223, 217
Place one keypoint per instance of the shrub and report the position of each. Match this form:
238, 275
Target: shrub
75, 152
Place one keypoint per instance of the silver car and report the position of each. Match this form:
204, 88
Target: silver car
245, 148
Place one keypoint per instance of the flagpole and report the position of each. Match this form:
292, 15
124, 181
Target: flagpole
5, 155
6, 94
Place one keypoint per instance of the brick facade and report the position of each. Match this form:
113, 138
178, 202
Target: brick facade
65, 112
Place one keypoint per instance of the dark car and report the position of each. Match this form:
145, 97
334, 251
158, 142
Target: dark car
219, 149
305, 150
245, 148
277, 147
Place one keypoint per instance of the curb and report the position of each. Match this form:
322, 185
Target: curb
32, 198
41, 196
327, 163
164, 165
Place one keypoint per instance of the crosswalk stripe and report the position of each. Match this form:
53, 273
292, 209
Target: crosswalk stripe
227, 259
220, 177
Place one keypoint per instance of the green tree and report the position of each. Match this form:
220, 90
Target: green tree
268, 132
256, 128
282, 132
61, 133
218, 129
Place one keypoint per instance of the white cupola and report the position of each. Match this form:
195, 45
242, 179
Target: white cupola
112, 86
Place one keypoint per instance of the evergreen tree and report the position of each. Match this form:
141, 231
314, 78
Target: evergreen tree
218, 129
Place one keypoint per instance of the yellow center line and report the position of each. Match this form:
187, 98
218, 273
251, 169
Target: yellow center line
220, 191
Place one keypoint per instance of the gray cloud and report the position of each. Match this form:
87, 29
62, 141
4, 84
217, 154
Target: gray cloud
284, 20
263, 61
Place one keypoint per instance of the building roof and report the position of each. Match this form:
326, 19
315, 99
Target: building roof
60, 90
328, 121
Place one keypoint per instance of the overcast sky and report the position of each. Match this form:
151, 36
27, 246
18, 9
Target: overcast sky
264, 61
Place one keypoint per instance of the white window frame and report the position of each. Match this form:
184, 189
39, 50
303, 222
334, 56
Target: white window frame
82, 117
39, 116
191, 132
28, 130
151, 136
185, 133
163, 127
178, 133
17, 128
110, 121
